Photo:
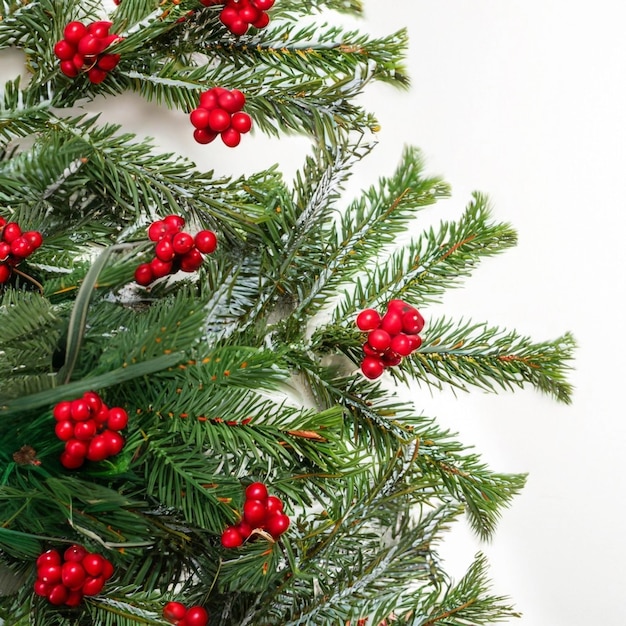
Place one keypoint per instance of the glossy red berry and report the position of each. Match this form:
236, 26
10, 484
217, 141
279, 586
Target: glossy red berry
391, 358
5, 273
264, 5
93, 585
232, 101
196, 616
20, 248
58, 594
80, 410
74, 32
41, 588
174, 611
262, 22
277, 524
64, 430
143, 274
73, 575
117, 419
205, 241
392, 322
398, 305
157, 230
379, 339
76, 448
69, 461
99, 29
367, 320
93, 400
98, 448
93, 564
231, 137
274, 505
241, 122
68, 68
255, 513
50, 574
191, 261
231, 538
372, 367
96, 75
174, 223
208, 99
412, 322
108, 62
84, 431
164, 250
34, 238
160, 268
62, 411
114, 442
49, 557
401, 344
74, 598
75, 553
89, 46
182, 243
218, 120
199, 117
256, 491
64, 50
11, 232
204, 136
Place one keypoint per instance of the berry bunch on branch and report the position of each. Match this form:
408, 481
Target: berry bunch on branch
137, 415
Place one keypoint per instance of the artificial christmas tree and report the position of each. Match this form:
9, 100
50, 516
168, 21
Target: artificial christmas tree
239, 376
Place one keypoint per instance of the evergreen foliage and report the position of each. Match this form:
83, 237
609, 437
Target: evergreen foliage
247, 370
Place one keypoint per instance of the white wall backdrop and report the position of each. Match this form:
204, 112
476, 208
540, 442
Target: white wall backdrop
525, 101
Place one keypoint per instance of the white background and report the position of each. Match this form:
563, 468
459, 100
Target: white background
525, 101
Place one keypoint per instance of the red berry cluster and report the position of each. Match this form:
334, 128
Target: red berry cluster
82, 49
66, 579
89, 428
219, 113
180, 615
239, 15
174, 249
390, 337
260, 511
15, 246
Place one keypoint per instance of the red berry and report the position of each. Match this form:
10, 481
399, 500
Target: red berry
182, 243
76, 448
372, 367
174, 223
245, 530
93, 585
64, 50
249, 13
93, 564
102, 416
64, 430
277, 524
264, 5
228, 15
206, 241
401, 344
218, 120
196, 616
369, 319
208, 99
93, 400
74, 32
49, 557
20, 248
160, 268
238, 27
78, 61
98, 448
108, 569
73, 575
69, 461
231, 538
58, 594
5, 273
5, 250
164, 250
80, 410
392, 322
118, 418
256, 491
50, 574
108, 62
157, 230
11, 232
41, 588
379, 339
204, 136
96, 75
262, 22
369, 351
235, 101
84, 431
62, 411
99, 29
75, 553
68, 68
2, 221
412, 322
174, 611
274, 505
34, 238
114, 441
241, 122
191, 261
143, 274
416, 342
199, 117
231, 137
89, 46
254, 512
